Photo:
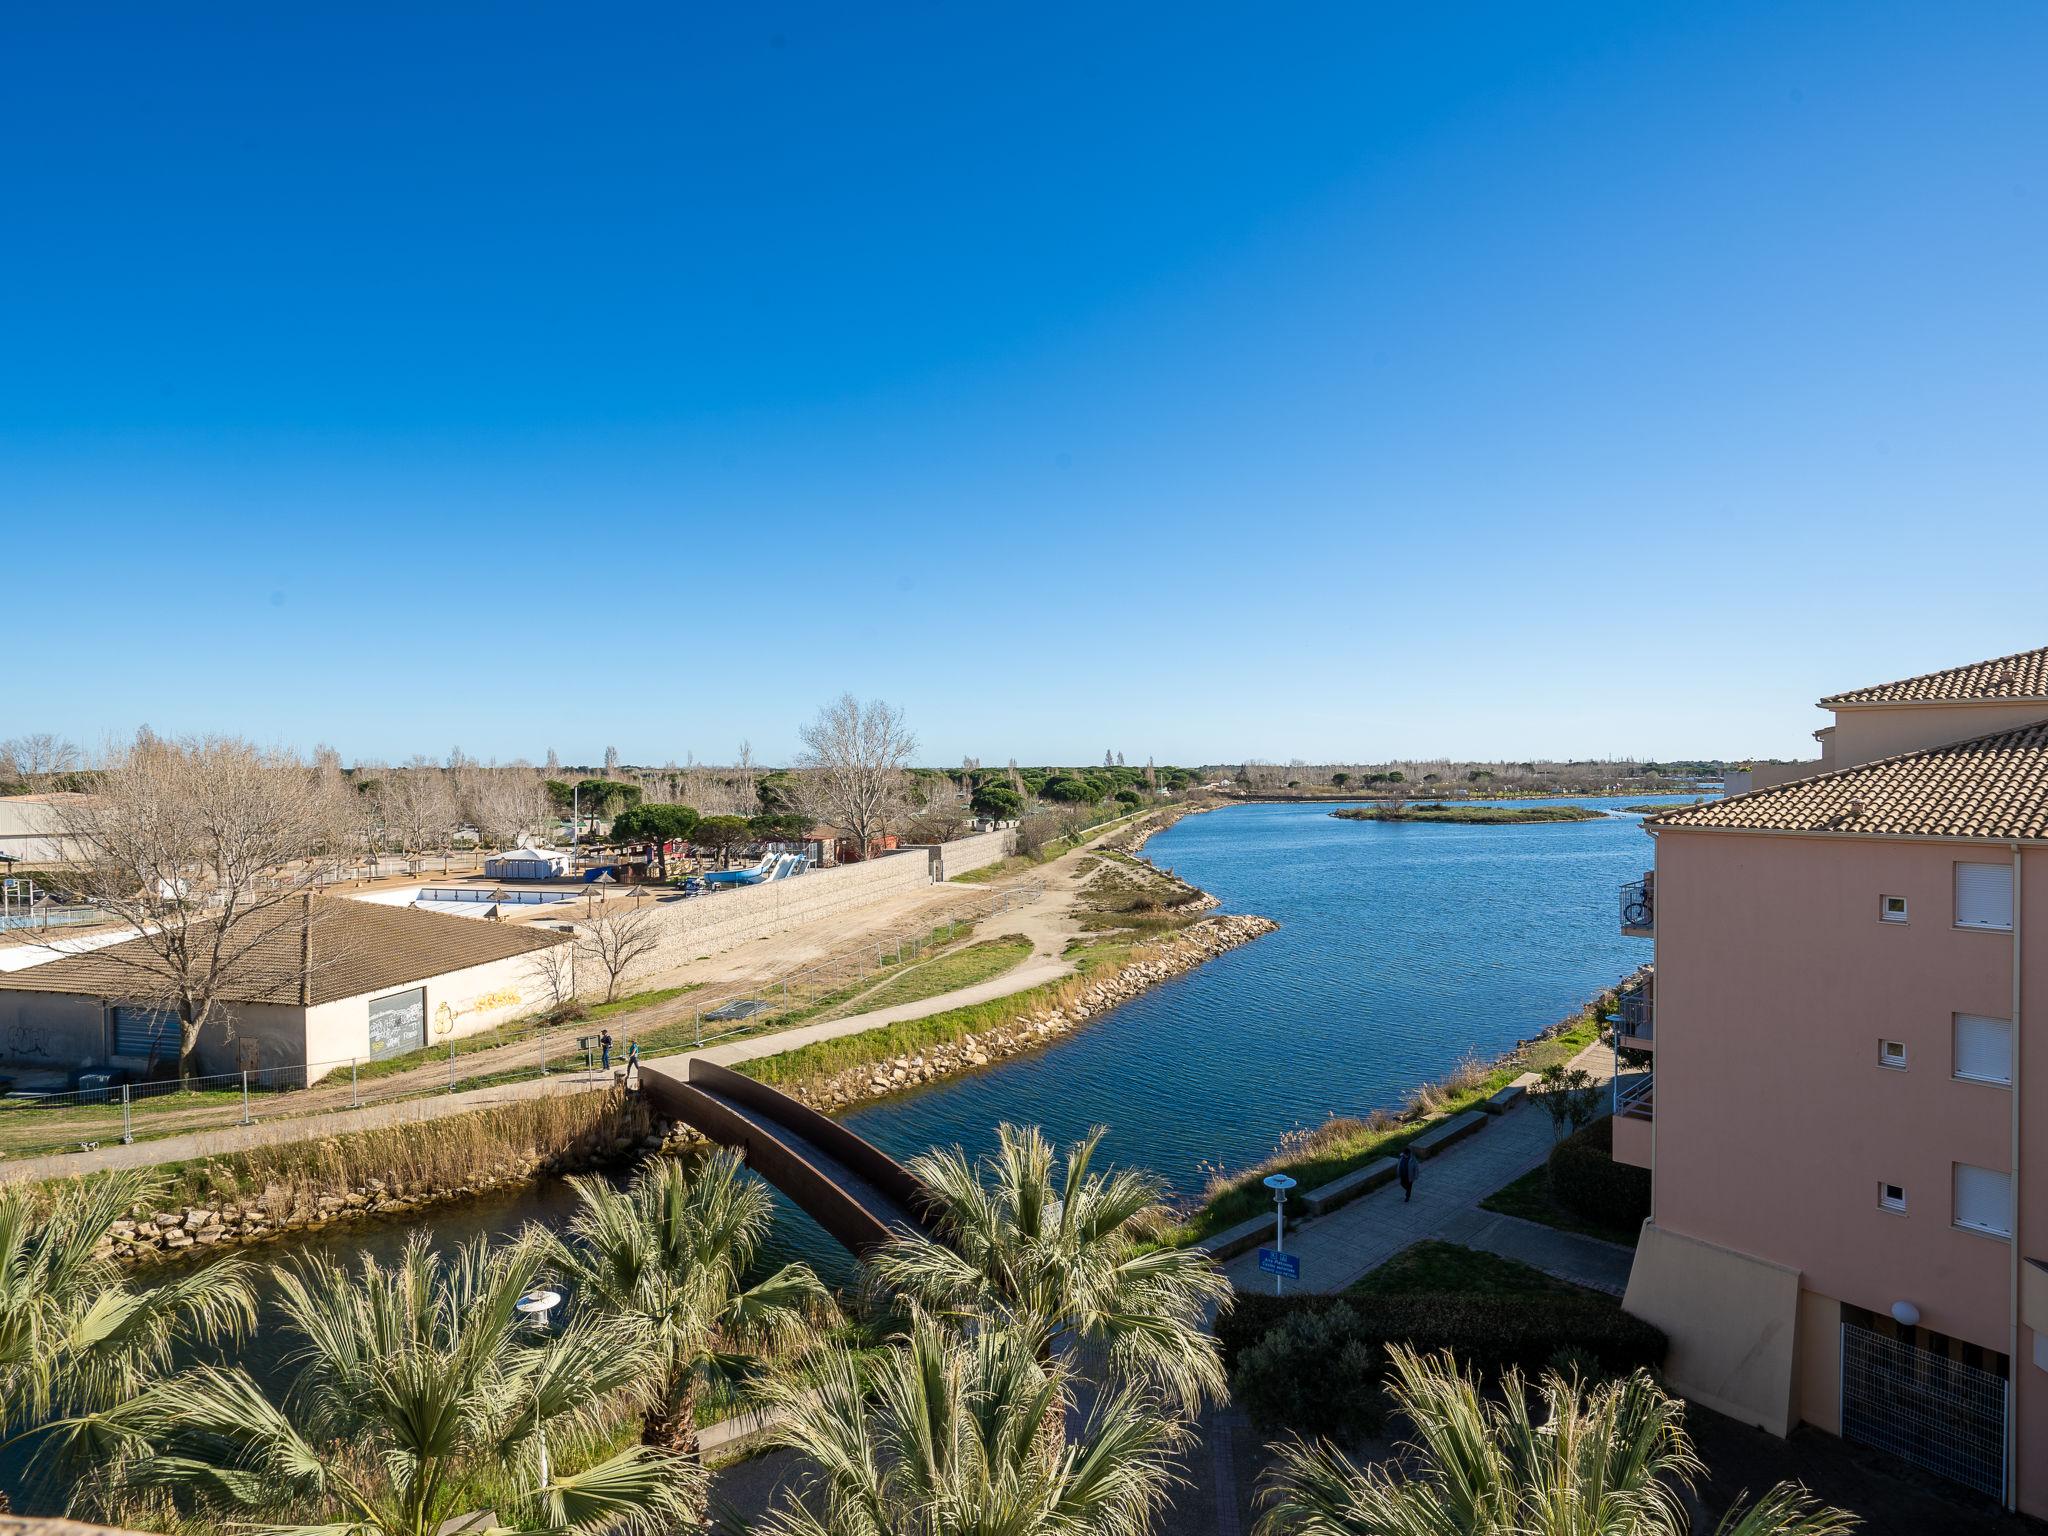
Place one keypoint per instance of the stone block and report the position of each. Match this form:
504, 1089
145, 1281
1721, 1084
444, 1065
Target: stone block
1450, 1132
1339, 1191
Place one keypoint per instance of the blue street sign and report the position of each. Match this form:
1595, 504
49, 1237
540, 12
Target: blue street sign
1280, 1263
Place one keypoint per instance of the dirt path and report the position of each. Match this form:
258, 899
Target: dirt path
1051, 920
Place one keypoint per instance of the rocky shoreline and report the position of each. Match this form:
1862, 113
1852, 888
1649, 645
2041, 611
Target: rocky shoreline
1161, 960
625, 1131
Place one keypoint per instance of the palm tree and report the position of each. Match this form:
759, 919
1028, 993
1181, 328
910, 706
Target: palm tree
418, 1394
948, 1436
1610, 1459
671, 1254
75, 1338
1067, 1252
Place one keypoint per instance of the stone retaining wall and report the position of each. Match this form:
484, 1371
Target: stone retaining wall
710, 924
622, 1130
977, 852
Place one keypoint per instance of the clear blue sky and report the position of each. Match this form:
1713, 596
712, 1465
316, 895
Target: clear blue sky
1199, 381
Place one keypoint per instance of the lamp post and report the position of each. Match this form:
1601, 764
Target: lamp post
1279, 1183
537, 1305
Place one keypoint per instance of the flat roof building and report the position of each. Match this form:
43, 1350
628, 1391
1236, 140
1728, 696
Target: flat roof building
327, 981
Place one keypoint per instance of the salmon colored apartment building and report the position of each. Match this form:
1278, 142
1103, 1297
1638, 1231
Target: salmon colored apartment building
1834, 1076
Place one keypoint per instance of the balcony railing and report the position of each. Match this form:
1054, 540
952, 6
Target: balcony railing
1639, 907
1636, 1017
1635, 1098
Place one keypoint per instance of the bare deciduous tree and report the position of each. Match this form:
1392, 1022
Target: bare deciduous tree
554, 972
503, 804
418, 806
615, 939
36, 754
203, 848
852, 764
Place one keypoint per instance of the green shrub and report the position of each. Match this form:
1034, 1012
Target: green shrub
1488, 1332
1317, 1373
1587, 1181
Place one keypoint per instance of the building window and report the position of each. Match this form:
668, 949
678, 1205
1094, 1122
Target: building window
1892, 909
1984, 896
1892, 1197
1983, 1200
1892, 1053
1983, 1048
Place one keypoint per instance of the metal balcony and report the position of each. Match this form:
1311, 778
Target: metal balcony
1639, 908
1635, 1018
1635, 1097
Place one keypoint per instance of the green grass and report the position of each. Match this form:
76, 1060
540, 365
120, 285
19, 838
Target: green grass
1017, 863
1436, 1268
826, 1058
1529, 1197
519, 1032
1332, 1151
1471, 815
966, 967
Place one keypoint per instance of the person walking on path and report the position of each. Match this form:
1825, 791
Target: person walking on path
1405, 1170
604, 1045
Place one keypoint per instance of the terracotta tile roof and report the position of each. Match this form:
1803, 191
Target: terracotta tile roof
356, 947
2020, 676
1993, 786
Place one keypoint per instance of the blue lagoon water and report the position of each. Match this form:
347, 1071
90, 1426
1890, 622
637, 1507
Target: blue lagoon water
1401, 948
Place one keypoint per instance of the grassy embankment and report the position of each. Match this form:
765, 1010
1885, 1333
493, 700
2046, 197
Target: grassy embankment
1123, 904
1314, 1156
1017, 863
442, 1157
1471, 815
910, 974
827, 1058
969, 966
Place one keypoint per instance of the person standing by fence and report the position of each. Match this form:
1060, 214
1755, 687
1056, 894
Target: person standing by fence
604, 1046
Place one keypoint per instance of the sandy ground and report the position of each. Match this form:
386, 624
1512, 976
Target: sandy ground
1049, 919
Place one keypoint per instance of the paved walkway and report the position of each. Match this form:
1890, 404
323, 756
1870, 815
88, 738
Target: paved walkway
1356, 1239
1049, 921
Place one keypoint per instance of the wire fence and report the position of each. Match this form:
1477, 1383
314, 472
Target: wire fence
99, 1109
841, 977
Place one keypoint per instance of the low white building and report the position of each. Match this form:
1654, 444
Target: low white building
32, 831
328, 983
529, 864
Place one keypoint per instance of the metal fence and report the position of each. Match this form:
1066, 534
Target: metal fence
750, 1011
1925, 1408
99, 1109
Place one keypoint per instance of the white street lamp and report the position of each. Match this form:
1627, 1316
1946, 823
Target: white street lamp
537, 1305
1279, 1183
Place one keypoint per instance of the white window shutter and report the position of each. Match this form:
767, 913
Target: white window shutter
1984, 1199
1984, 895
1983, 1048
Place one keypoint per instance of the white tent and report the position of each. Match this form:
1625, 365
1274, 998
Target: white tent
528, 864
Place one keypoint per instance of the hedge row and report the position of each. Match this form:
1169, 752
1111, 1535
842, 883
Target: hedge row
1490, 1332
1318, 1364
1587, 1180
